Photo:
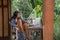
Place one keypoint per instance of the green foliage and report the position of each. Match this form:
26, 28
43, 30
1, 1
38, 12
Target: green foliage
57, 20
36, 2
57, 7
36, 13
57, 29
23, 6
26, 6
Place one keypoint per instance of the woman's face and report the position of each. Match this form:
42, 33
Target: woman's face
18, 15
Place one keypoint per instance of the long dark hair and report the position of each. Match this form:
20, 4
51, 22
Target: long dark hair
15, 15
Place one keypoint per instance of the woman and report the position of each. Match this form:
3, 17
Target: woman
17, 21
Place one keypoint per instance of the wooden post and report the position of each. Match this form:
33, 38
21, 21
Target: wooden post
48, 17
4, 19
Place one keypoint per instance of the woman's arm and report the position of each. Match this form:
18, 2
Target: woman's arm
19, 23
25, 26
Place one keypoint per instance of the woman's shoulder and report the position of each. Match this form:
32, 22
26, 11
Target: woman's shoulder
12, 20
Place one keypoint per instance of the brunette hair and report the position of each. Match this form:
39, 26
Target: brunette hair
15, 14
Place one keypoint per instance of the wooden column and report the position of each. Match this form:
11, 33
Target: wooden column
4, 19
48, 19
0, 19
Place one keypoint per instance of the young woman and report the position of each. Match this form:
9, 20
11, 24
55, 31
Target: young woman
17, 21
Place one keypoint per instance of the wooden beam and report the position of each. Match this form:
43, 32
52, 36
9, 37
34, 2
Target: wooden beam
48, 17
4, 6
